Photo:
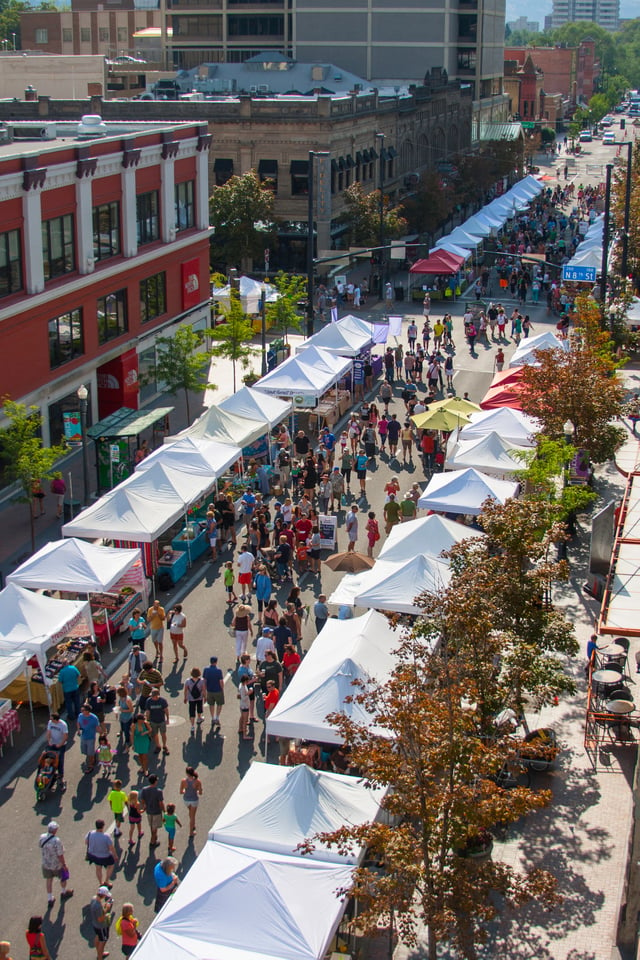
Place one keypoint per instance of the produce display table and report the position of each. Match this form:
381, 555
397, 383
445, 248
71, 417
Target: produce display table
71, 651
175, 565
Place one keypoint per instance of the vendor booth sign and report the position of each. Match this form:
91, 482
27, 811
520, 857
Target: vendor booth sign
328, 529
307, 400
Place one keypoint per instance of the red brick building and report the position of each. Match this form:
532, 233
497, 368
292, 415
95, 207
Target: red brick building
571, 71
104, 243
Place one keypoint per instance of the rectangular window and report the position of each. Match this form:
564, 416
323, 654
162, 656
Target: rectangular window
153, 297
103, 34
185, 214
67, 35
112, 316
66, 340
148, 221
106, 231
123, 35
85, 34
58, 246
42, 35
10, 263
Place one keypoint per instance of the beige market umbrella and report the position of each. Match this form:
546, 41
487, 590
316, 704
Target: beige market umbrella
349, 562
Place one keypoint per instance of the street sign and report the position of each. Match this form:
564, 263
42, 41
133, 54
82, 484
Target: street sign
114, 452
527, 125
579, 274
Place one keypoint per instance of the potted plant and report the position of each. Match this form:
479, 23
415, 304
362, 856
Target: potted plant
478, 846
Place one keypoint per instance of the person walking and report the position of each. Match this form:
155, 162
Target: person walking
191, 791
117, 800
214, 681
383, 431
194, 696
263, 588
38, 949
125, 715
70, 679
58, 489
351, 525
500, 360
156, 617
148, 678
373, 532
407, 437
157, 716
138, 628
135, 817
54, 865
152, 803
392, 513
57, 736
408, 507
140, 740
337, 489
245, 572
88, 724
177, 626
127, 929
101, 853
166, 880
393, 432
241, 625
361, 471
448, 371
346, 466
100, 912
386, 395
320, 612
412, 333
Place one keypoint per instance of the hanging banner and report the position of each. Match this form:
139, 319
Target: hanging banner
72, 426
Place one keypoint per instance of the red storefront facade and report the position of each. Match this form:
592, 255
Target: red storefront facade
104, 243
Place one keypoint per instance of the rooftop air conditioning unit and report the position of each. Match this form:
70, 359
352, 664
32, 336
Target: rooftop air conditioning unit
263, 88
91, 125
34, 131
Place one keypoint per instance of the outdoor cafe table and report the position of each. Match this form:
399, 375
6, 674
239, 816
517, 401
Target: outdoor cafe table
612, 650
606, 677
620, 706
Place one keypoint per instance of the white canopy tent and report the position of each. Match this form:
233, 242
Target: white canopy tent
355, 325
512, 425
490, 454
524, 352
250, 294
393, 585
587, 256
194, 456
11, 666
224, 427
241, 904
464, 491
461, 238
74, 565
30, 623
430, 535
446, 244
396, 589
344, 651
493, 218
529, 187
337, 340
311, 374
129, 513
502, 206
253, 405
476, 227
276, 808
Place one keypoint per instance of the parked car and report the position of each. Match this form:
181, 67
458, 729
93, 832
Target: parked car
609, 137
585, 136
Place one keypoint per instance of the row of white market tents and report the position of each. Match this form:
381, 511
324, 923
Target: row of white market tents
470, 234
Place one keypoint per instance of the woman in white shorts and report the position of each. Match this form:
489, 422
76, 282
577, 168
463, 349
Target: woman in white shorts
191, 791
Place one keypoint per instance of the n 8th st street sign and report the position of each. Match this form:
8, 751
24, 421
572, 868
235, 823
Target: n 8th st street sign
578, 274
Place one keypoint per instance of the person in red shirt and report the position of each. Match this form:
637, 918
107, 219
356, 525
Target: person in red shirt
290, 536
304, 527
271, 698
428, 447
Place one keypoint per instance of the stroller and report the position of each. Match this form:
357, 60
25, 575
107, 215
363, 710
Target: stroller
47, 773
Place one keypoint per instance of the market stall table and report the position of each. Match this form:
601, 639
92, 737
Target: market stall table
9, 723
174, 563
193, 545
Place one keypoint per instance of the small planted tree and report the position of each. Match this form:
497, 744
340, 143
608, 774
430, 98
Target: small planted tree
233, 337
283, 313
181, 364
242, 214
27, 461
362, 216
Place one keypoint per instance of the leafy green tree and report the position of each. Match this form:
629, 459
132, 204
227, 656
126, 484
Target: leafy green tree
432, 204
546, 465
27, 461
181, 365
284, 314
362, 216
579, 387
233, 336
598, 107
242, 213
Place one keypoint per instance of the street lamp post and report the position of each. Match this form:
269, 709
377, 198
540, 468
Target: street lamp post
627, 204
323, 155
263, 329
380, 139
605, 242
83, 394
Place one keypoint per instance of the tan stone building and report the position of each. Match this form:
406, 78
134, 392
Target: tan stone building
273, 136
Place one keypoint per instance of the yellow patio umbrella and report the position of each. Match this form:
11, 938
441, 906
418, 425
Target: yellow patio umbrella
439, 418
460, 405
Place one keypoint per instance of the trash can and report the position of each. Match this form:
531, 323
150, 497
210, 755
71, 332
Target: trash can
399, 293
71, 509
